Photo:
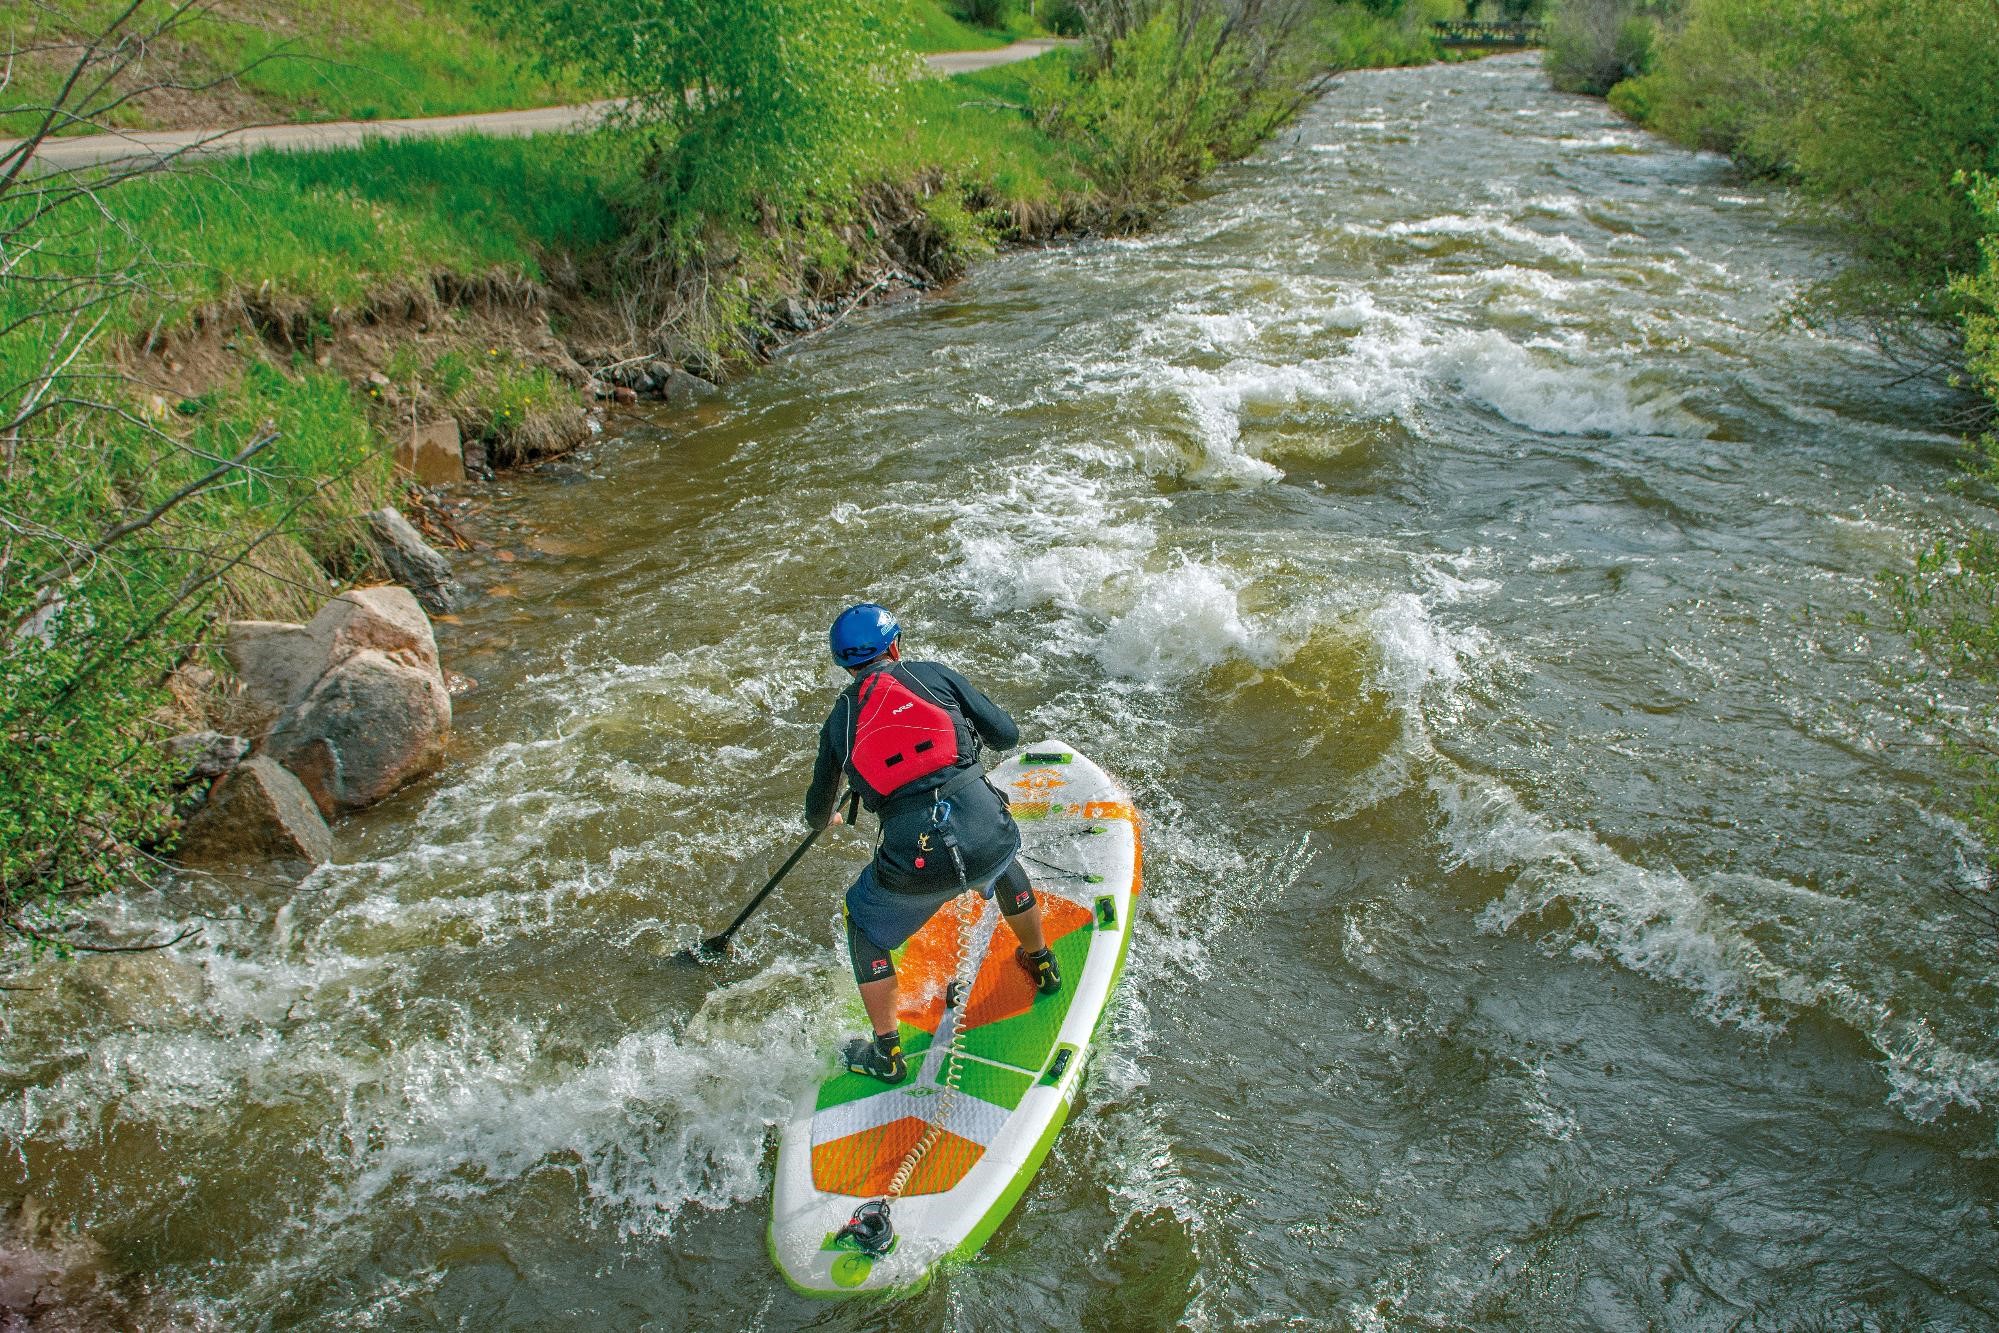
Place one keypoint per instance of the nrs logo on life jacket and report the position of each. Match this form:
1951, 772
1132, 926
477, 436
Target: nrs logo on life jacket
898, 735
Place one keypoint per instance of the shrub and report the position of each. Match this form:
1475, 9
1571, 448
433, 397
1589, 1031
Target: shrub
1063, 17
1872, 107
1361, 36
1593, 45
1979, 290
1176, 89
748, 103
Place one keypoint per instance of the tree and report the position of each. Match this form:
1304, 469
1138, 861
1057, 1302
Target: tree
753, 102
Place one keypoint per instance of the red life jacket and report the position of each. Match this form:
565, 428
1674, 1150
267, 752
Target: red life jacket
899, 735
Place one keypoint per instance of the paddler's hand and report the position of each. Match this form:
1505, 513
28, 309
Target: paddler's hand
835, 820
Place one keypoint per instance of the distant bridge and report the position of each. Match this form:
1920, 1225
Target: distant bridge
1491, 36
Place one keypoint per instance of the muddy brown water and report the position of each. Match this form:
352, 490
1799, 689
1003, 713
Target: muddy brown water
1477, 583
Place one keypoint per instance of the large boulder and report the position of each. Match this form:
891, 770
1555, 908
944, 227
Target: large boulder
368, 726
415, 564
682, 389
258, 812
356, 702
52, 1278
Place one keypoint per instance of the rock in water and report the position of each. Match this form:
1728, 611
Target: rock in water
358, 704
368, 726
682, 388
259, 811
433, 454
413, 563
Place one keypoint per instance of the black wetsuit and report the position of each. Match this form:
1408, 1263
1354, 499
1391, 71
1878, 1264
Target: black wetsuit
924, 851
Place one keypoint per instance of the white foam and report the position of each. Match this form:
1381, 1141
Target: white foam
1187, 619
1558, 399
1418, 656
1486, 226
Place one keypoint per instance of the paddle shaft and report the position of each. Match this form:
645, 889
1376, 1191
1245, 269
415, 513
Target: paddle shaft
718, 943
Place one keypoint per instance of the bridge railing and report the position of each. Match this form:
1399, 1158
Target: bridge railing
1465, 32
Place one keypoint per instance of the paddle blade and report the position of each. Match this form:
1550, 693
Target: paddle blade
711, 950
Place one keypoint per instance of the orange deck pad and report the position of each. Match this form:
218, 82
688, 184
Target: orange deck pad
1001, 989
863, 1164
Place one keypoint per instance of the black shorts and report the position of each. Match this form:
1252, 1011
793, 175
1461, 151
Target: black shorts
873, 912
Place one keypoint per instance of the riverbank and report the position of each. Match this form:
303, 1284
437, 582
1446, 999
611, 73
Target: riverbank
334, 306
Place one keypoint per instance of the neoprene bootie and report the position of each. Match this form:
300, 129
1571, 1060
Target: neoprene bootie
878, 1057
1041, 968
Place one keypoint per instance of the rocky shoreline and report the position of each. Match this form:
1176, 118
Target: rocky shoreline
280, 750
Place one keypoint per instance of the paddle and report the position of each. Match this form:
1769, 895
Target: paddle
717, 945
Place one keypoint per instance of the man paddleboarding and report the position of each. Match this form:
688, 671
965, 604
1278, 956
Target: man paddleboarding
907, 736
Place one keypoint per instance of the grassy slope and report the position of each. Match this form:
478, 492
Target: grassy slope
313, 60
329, 227
307, 60
932, 28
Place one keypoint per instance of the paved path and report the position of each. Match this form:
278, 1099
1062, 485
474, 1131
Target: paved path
87, 150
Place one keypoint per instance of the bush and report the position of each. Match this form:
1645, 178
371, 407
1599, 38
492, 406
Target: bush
1363, 36
1593, 45
1062, 17
1176, 88
1979, 290
749, 103
1872, 107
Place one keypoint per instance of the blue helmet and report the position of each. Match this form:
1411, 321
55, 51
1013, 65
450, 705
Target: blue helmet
862, 633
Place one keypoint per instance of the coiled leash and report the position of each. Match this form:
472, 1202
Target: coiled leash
870, 1228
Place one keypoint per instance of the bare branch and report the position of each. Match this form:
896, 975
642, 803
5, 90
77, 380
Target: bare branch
119, 531
28, 932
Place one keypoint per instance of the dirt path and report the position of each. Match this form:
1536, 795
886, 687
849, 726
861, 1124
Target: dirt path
58, 154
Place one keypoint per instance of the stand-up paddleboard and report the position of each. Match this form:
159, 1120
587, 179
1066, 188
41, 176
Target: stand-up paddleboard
993, 1072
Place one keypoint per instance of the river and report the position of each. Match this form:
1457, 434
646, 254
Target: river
1478, 582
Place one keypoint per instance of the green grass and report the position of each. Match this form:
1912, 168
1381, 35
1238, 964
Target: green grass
979, 128
307, 60
370, 59
329, 227
933, 28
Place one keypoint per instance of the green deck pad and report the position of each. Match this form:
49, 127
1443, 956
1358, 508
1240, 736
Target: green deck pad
1023, 1041
992, 1083
846, 1087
